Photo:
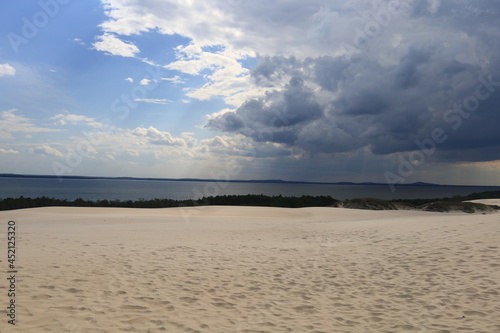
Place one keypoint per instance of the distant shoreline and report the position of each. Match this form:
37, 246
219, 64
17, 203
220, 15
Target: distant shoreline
261, 181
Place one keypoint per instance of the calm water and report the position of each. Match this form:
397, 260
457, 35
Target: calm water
100, 189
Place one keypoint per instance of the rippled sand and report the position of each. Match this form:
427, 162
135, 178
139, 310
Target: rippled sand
232, 269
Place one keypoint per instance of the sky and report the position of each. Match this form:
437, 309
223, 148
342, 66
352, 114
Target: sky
392, 91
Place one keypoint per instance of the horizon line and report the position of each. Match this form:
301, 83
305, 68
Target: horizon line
232, 180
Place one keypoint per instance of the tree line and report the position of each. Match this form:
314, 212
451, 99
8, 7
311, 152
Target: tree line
242, 200
232, 200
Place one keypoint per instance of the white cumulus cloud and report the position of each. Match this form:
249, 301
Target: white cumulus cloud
11, 122
8, 151
7, 70
158, 137
132, 152
111, 44
47, 151
153, 100
175, 80
64, 119
145, 82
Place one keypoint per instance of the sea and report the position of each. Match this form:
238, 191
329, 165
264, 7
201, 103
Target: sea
136, 189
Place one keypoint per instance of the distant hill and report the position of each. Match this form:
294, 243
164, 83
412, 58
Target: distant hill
11, 175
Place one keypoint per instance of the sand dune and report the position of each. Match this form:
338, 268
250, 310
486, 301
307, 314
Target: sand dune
487, 201
228, 269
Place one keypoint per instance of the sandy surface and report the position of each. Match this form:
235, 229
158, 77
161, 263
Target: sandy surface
488, 201
227, 269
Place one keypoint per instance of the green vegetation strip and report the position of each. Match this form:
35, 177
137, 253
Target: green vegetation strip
438, 205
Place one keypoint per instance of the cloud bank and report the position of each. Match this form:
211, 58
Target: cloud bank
317, 90
340, 78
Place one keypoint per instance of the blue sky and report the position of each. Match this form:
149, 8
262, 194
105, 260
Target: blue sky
387, 91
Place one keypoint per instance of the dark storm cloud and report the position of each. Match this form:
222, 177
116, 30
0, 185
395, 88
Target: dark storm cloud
278, 117
330, 72
272, 69
407, 75
366, 101
462, 12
